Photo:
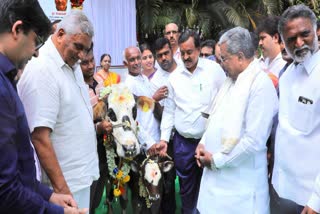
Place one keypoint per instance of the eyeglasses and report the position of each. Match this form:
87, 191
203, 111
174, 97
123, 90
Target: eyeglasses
204, 55
39, 42
173, 32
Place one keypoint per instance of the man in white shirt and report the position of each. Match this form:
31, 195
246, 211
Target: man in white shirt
233, 148
149, 130
297, 138
270, 44
140, 85
167, 65
59, 111
191, 89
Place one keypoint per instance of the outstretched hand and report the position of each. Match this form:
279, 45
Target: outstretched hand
104, 127
158, 148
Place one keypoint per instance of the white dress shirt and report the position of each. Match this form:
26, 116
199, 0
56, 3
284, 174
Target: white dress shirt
275, 66
189, 95
141, 86
297, 145
56, 96
240, 184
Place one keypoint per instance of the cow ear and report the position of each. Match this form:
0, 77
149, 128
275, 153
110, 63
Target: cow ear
166, 166
134, 166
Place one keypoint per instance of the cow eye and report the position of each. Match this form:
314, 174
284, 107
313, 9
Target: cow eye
112, 115
134, 112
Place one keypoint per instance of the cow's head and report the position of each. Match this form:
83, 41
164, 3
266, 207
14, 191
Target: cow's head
150, 171
119, 107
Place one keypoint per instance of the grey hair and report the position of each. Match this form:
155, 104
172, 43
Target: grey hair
296, 11
125, 51
76, 22
238, 39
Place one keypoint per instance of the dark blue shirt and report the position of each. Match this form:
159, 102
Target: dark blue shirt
20, 191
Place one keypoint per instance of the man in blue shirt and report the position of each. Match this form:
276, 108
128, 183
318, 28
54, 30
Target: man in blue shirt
23, 30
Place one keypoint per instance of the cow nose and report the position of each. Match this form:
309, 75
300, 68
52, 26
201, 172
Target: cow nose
126, 119
129, 150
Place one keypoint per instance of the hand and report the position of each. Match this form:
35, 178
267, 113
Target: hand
203, 157
198, 151
160, 94
308, 210
158, 148
63, 200
72, 210
104, 127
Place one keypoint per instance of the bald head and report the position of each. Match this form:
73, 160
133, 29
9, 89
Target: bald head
171, 32
132, 59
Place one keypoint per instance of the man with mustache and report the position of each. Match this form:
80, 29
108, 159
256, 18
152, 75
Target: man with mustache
59, 111
171, 32
297, 138
167, 65
191, 90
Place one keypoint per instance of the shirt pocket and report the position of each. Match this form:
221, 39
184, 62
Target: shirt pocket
204, 92
301, 115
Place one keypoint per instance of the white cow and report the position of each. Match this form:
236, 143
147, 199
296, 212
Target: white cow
119, 107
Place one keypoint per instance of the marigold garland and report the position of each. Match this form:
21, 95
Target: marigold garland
143, 192
120, 176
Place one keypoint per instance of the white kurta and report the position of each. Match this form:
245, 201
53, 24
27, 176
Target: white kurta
240, 185
141, 86
297, 147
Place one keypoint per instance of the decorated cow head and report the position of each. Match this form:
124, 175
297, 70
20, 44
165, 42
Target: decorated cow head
119, 107
150, 171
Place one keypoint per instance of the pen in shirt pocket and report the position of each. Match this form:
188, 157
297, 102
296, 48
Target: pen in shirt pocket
200, 87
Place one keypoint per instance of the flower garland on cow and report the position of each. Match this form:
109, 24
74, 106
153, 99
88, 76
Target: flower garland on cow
113, 99
119, 162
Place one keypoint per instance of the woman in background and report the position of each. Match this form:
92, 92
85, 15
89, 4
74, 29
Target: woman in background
147, 61
108, 77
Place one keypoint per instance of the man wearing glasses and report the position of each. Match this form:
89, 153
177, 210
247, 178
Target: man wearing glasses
23, 24
172, 33
207, 49
58, 109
